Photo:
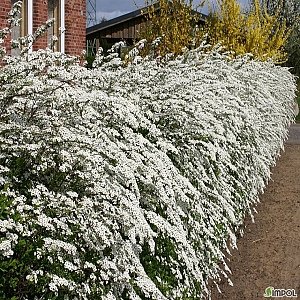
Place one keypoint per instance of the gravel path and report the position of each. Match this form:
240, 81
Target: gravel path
268, 255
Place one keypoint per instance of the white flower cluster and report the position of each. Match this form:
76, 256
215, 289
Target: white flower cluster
126, 183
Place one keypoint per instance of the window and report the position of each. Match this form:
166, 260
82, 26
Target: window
22, 29
24, 21
54, 12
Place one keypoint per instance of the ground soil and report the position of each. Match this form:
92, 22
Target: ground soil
269, 252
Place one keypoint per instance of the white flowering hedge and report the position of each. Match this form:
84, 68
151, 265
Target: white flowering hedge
126, 183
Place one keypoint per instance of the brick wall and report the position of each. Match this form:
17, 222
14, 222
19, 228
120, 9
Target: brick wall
75, 24
5, 7
75, 21
40, 16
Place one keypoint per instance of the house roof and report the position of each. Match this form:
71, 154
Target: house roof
123, 18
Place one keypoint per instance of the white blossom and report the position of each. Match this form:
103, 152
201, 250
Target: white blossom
118, 174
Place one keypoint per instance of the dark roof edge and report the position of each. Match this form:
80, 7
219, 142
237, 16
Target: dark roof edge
123, 18
115, 21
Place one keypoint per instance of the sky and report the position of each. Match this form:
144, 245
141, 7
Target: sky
110, 9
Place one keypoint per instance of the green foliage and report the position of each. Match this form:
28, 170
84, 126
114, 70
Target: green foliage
159, 265
90, 59
18, 276
13, 270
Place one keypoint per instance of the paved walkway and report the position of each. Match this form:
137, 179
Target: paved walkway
269, 252
294, 138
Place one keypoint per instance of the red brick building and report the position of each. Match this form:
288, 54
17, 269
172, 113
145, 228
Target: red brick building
69, 25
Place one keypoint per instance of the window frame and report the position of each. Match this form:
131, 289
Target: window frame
56, 10
26, 25
24, 20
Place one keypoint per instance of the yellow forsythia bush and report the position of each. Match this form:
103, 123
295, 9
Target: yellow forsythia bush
254, 32
173, 21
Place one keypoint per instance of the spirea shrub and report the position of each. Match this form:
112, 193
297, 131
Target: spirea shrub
127, 183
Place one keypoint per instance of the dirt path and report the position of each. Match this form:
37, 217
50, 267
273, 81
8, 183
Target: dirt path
269, 253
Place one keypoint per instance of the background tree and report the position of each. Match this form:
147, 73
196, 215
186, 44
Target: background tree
289, 12
256, 32
173, 21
